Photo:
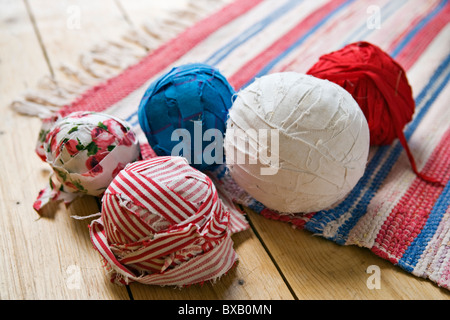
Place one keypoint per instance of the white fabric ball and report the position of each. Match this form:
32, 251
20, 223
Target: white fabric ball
323, 142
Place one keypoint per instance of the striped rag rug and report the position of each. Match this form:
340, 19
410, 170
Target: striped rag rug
390, 211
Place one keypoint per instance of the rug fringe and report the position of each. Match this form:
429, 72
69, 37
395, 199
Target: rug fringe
105, 61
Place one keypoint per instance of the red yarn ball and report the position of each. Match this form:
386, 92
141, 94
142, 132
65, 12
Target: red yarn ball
380, 87
377, 83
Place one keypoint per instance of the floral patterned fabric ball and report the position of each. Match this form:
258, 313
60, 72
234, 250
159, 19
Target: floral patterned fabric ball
86, 150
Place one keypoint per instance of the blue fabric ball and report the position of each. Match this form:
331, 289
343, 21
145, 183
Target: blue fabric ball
188, 96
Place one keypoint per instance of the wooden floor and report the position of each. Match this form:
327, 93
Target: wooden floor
52, 257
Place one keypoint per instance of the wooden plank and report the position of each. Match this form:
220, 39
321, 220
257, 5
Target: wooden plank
17, 41
52, 258
254, 277
69, 29
47, 258
317, 268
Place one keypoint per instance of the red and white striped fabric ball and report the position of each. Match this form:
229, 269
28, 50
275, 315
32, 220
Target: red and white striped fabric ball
163, 223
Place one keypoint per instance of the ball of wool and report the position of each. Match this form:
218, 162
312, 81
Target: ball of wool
321, 145
162, 223
192, 98
378, 84
85, 150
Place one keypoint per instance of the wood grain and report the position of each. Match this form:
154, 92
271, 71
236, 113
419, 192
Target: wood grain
69, 29
254, 277
317, 268
54, 251
46, 258
51, 257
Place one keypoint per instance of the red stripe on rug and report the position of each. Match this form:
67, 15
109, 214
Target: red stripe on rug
249, 70
408, 56
414, 49
117, 88
409, 216
297, 220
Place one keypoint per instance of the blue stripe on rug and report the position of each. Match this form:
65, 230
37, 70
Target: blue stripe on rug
322, 218
250, 32
414, 252
417, 28
244, 36
297, 43
363, 31
370, 179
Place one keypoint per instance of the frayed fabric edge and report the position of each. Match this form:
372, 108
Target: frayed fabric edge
111, 58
